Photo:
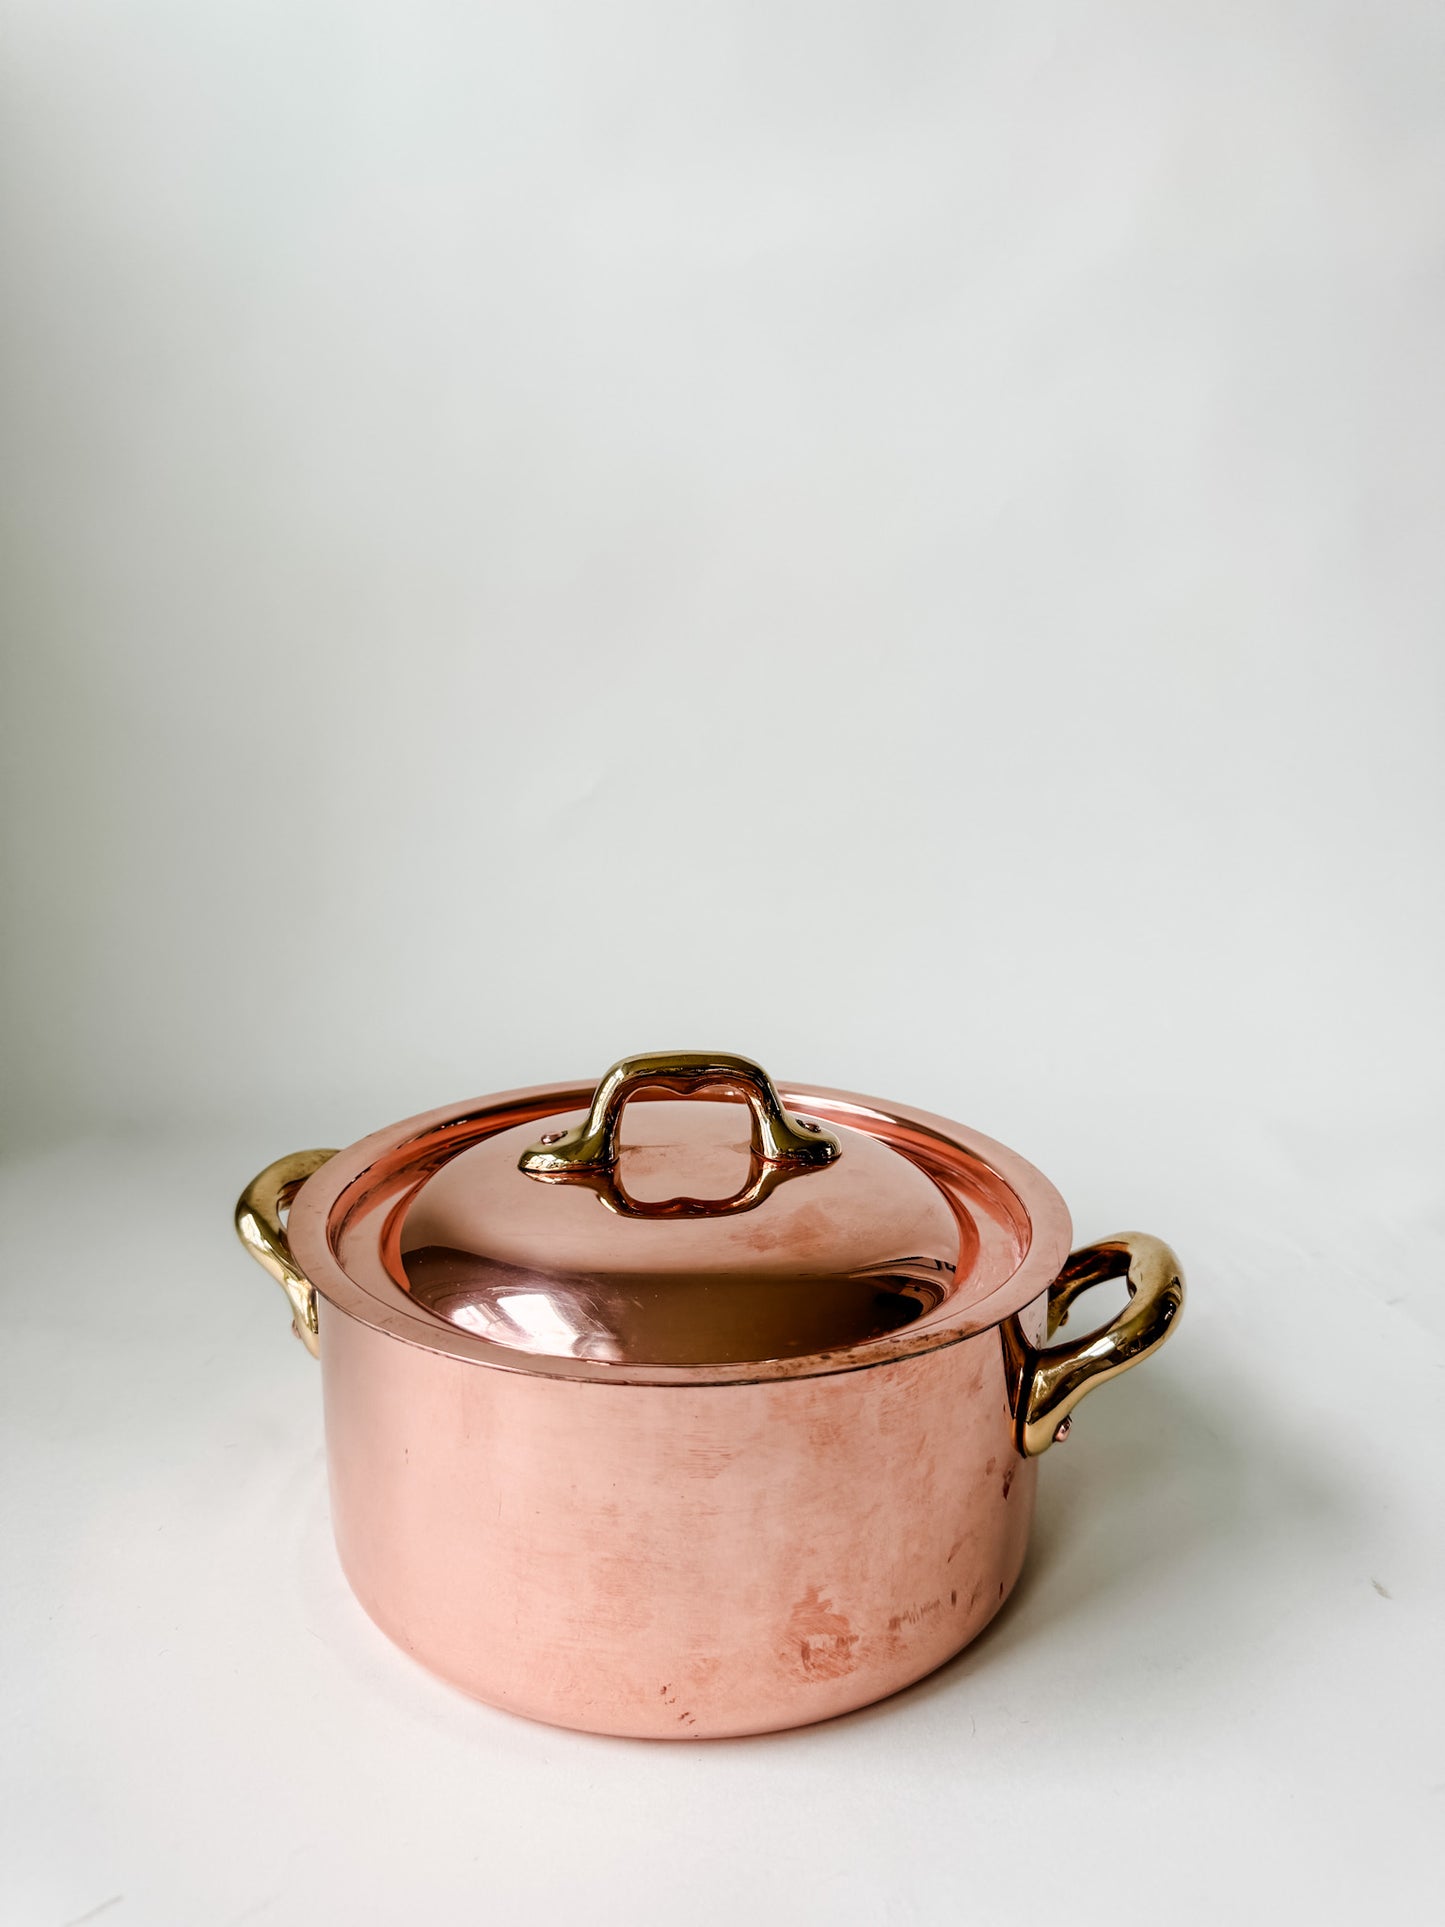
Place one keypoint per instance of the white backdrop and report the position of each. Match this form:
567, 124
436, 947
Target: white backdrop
901, 539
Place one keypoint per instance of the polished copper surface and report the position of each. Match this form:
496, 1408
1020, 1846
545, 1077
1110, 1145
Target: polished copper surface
937, 1190
680, 1442
832, 1254
676, 1562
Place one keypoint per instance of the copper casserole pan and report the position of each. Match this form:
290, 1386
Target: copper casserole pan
675, 1418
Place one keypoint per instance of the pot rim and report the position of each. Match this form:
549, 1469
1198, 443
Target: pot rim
360, 1196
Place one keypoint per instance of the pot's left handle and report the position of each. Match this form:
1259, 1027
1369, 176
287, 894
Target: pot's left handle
259, 1227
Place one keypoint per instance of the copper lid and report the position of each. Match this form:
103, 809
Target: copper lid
682, 1221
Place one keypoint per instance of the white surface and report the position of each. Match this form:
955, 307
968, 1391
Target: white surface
1215, 1695
957, 487
903, 540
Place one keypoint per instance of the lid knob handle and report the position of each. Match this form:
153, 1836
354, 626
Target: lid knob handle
778, 1136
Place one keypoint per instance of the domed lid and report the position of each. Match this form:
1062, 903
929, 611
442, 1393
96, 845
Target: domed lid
668, 1233
686, 1223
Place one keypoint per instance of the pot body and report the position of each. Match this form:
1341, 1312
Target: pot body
677, 1561
630, 1542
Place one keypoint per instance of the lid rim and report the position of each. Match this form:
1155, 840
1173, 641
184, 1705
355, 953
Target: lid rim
369, 1180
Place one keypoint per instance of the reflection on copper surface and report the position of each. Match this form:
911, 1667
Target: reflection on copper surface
700, 1548
687, 1250
441, 1180
608, 1187
654, 1319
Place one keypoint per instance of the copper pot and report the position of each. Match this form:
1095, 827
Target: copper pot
642, 1421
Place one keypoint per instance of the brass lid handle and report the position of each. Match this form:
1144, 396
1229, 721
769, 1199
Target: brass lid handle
778, 1136
763, 1180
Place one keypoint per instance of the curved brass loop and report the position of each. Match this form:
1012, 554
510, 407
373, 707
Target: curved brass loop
259, 1227
1055, 1379
778, 1136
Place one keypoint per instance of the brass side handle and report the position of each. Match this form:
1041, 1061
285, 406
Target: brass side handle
259, 1227
778, 1136
1055, 1378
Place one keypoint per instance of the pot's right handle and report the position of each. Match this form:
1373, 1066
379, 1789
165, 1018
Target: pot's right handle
1056, 1378
259, 1227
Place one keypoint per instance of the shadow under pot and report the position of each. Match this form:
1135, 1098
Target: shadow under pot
680, 1406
